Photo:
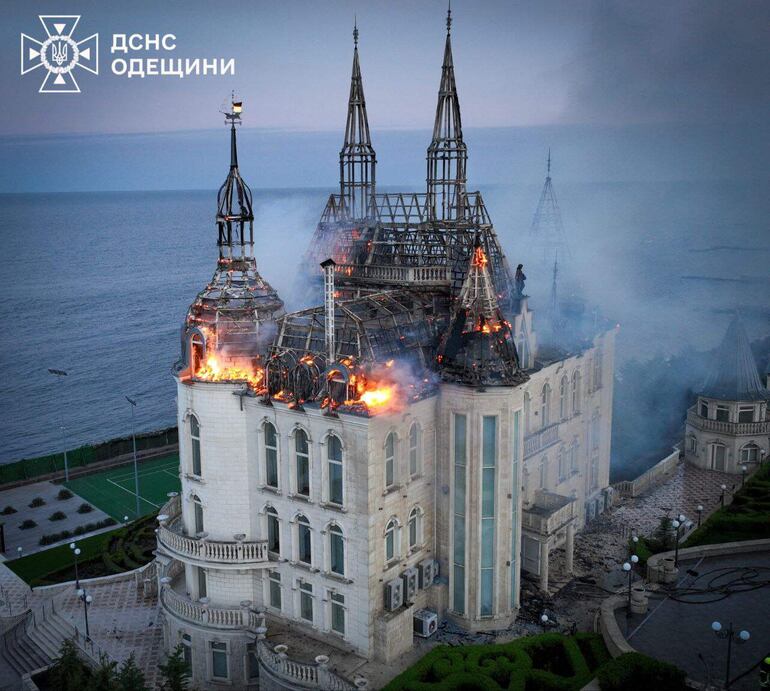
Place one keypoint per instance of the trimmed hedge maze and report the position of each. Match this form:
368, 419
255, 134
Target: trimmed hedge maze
548, 662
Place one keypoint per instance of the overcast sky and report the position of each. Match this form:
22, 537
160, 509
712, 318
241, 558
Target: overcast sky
517, 63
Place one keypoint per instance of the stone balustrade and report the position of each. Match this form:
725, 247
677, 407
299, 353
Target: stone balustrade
732, 428
299, 674
208, 615
542, 439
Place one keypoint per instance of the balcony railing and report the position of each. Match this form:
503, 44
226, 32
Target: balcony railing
541, 440
732, 428
207, 615
398, 275
550, 512
225, 553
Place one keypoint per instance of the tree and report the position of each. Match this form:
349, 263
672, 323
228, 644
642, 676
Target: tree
68, 672
130, 677
174, 673
103, 676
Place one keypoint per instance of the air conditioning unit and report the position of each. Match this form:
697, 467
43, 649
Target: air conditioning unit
428, 571
425, 623
410, 578
394, 594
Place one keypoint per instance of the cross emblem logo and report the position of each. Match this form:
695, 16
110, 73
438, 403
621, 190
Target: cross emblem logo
60, 54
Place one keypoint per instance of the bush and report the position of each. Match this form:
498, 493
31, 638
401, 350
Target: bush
57, 516
85, 508
64, 493
27, 524
8, 510
54, 537
637, 672
37, 501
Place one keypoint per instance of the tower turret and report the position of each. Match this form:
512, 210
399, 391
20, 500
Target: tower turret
231, 323
447, 153
358, 161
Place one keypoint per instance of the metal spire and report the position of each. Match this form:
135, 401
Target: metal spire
357, 157
547, 231
447, 153
449, 19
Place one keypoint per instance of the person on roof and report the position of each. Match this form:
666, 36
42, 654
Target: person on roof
519, 279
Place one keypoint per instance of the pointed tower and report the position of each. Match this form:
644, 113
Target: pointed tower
231, 323
358, 161
547, 231
478, 348
447, 153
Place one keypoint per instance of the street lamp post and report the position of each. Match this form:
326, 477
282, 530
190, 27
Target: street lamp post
627, 569
677, 523
136, 467
722, 496
744, 470
700, 513
76, 551
86, 599
740, 637
61, 373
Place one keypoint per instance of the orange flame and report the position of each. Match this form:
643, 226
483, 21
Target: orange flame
479, 258
216, 371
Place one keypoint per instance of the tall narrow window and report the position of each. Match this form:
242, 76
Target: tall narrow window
597, 370
563, 384
488, 471
414, 449
576, 392
334, 455
703, 409
527, 413
336, 550
306, 601
202, 590
273, 531
302, 455
338, 613
515, 505
543, 472
187, 651
561, 457
252, 661
391, 541
198, 514
595, 427
573, 458
195, 445
390, 460
415, 527
274, 581
219, 660
458, 556
271, 456
723, 413
304, 540
545, 405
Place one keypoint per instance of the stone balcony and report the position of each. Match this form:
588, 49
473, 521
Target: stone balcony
548, 514
542, 439
204, 614
731, 428
203, 551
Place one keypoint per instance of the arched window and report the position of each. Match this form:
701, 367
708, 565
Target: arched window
304, 541
527, 413
415, 439
271, 456
415, 527
545, 405
273, 531
198, 513
750, 453
336, 550
390, 460
392, 547
195, 445
302, 459
563, 386
334, 457
576, 392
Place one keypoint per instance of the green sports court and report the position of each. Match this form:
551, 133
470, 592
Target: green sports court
112, 490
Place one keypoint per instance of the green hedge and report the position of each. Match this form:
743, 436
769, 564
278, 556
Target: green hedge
637, 672
28, 468
548, 662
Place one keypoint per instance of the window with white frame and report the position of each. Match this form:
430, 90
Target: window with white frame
692, 444
415, 527
545, 405
302, 463
390, 460
273, 531
271, 455
563, 390
197, 514
576, 382
275, 590
392, 550
252, 661
527, 412
202, 589
195, 445
750, 453
338, 612
336, 550
415, 438
306, 601
543, 472
561, 456
723, 413
187, 651
219, 660
574, 452
703, 409
746, 413
304, 541
336, 481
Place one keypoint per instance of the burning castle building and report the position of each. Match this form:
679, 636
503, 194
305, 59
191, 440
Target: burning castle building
398, 455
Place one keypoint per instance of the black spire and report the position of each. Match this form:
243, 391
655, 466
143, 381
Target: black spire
358, 160
447, 153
